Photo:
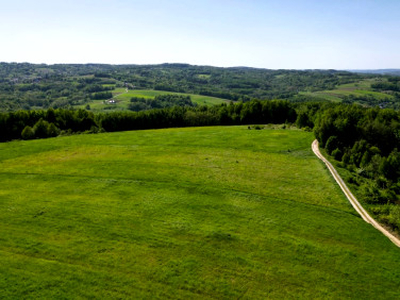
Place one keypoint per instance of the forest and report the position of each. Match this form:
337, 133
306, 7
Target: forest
366, 142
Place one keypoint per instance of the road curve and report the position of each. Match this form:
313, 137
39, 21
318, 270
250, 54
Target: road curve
357, 206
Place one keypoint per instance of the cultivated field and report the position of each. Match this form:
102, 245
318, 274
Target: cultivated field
123, 98
215, 212
358, 89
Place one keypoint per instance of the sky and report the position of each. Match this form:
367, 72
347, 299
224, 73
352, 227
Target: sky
272, 34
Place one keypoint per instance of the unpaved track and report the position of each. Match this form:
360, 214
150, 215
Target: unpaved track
357, 206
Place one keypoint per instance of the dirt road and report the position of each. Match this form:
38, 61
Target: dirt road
357, 206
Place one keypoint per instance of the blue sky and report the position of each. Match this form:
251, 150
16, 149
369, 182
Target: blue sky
285, 34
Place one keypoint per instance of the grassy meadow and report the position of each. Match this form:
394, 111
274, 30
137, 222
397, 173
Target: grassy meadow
357, 89
193, 213
123, 98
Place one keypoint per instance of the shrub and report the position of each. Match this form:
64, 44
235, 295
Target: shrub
346, 158
331, 144
41, 128
337, 154
52, 130
394, 216
27, 133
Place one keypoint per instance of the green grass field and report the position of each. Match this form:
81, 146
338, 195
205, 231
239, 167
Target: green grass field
123, 98
357, 89
212, 212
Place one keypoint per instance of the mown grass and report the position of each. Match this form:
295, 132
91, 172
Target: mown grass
217, 212
123, 98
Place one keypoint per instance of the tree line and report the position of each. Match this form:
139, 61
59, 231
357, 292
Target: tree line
52, 122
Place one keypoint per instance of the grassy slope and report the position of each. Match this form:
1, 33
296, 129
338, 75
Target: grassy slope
361, 88
124, 98
218, 212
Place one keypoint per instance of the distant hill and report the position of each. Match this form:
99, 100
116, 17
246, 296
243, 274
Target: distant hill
378, 71
30, 86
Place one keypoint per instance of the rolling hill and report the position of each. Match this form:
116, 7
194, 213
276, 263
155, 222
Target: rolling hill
211, 212
32, 86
